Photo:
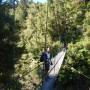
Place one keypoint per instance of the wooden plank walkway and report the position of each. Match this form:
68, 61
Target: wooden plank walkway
54, 70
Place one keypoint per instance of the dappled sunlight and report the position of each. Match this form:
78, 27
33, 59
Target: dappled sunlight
28, 27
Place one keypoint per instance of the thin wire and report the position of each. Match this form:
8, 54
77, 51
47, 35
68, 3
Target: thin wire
45, 33
79, 72
85, 76
14, 28
46, 26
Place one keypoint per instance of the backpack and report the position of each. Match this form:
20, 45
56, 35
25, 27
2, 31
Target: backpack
43, 57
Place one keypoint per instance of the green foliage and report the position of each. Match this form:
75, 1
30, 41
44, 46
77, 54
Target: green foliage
8, 49
72, 19
22, 41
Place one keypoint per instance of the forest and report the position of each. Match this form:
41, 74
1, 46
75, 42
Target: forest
26, 28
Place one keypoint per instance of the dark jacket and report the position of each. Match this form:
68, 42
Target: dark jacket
45, 57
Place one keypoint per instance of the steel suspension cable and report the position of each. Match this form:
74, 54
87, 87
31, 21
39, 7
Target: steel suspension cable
14, 29
46, 25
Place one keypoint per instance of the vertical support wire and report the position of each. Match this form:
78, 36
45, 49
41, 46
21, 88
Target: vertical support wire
46, 25
37, 46
13, 29
43, 76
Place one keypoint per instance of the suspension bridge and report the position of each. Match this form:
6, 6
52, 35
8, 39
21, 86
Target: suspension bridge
53, 71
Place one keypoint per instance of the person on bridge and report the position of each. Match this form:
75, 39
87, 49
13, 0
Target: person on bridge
46, 58
64, 40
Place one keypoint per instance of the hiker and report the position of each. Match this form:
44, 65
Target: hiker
46, 58
63, 39
65, 45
